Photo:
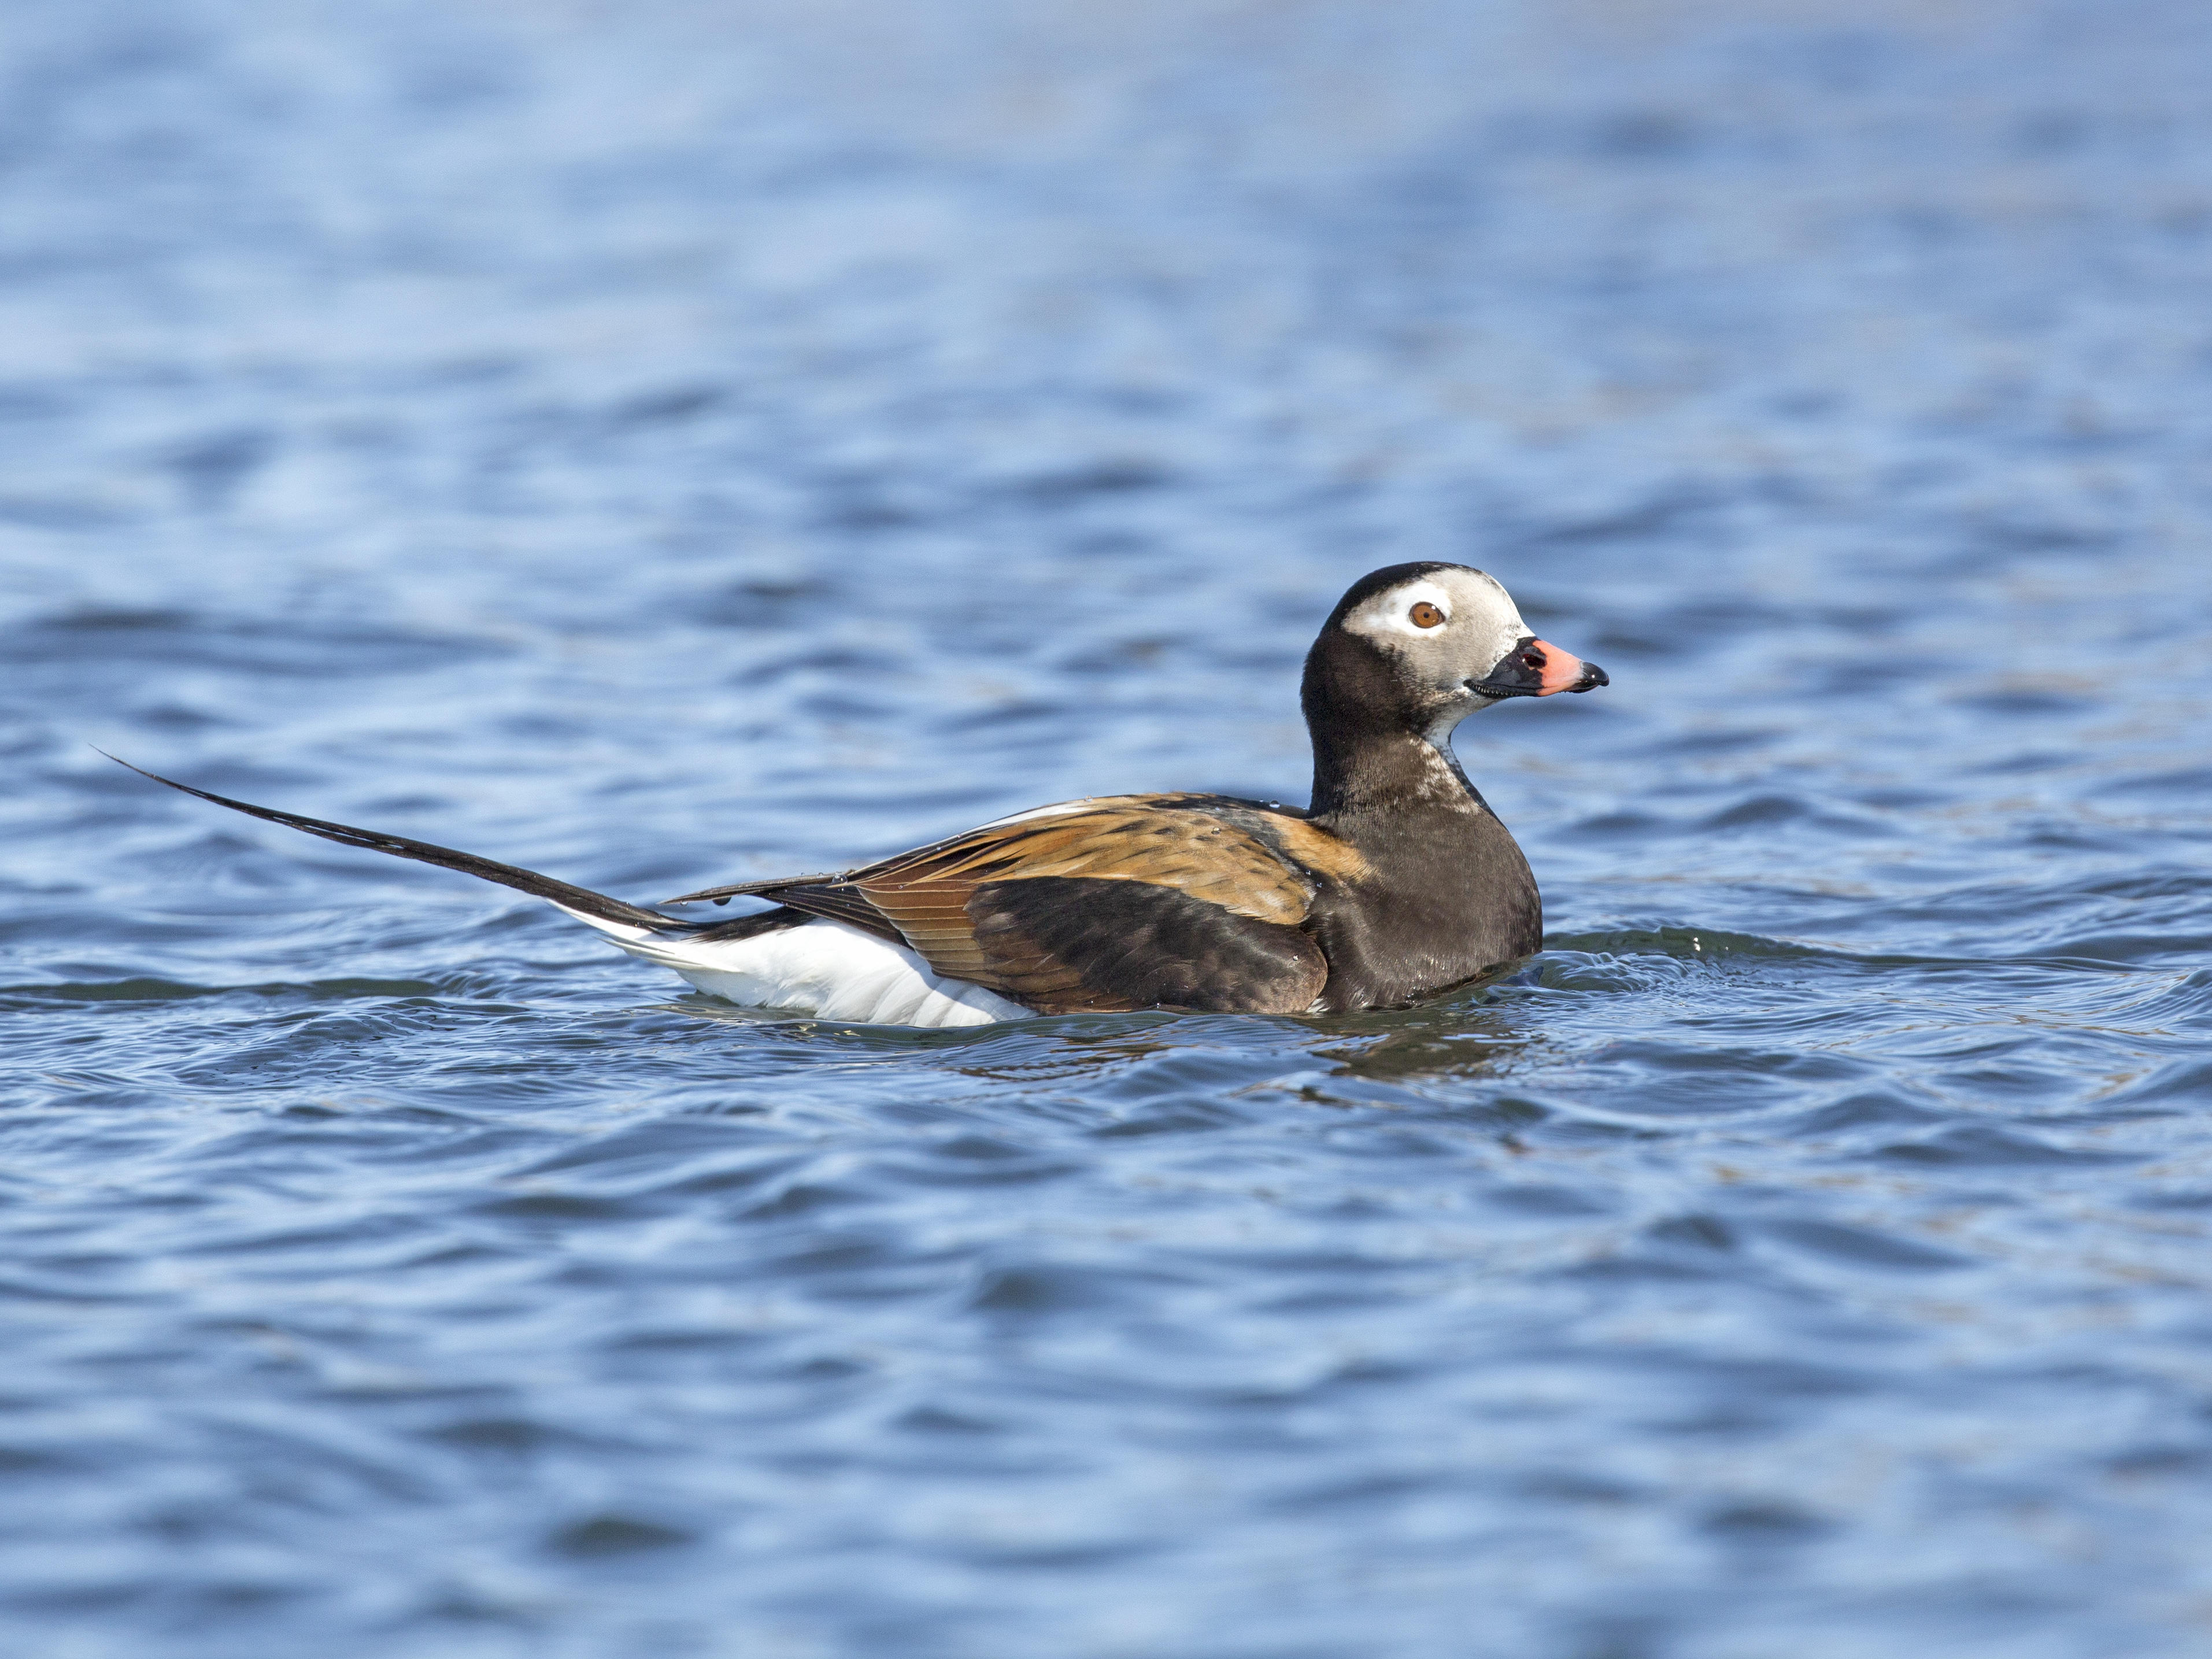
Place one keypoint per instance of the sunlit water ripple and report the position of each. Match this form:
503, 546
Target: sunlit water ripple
659, 445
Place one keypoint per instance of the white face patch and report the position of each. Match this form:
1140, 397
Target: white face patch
1481, 624
1392, 611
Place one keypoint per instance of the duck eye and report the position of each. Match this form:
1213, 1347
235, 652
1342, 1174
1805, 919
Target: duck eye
1425, 615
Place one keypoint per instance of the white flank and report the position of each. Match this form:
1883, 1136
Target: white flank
821, 967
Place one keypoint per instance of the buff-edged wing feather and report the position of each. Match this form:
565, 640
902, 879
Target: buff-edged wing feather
1116, 902
1071, 944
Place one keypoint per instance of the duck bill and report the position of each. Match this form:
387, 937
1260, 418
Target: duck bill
1537, 668
1564, 671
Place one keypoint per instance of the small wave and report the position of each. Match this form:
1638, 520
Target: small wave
1692, 944
2109, 954
169, 990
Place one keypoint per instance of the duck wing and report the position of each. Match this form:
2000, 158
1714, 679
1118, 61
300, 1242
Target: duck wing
1118, 903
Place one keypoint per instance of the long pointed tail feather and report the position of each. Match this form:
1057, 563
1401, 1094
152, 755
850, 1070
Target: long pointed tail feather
582, 900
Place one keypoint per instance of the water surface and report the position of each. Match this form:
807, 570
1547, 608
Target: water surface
675, 443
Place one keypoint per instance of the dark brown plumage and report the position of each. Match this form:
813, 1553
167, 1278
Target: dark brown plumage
1242, 874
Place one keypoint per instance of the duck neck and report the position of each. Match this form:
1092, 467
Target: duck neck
1381, 752
1365, 778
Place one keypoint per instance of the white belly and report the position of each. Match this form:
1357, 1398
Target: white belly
821, 967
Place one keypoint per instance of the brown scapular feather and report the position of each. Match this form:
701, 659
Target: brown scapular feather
1254, 864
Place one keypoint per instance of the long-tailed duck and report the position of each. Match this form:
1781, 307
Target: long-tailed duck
1396, 883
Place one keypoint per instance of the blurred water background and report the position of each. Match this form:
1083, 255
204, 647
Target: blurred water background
665, 442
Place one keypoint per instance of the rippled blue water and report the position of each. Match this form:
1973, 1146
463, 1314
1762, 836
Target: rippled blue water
667, 443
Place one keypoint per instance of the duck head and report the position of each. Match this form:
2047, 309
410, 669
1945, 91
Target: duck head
1417, 649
